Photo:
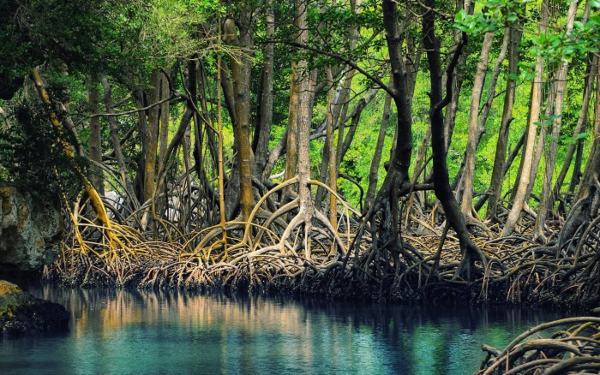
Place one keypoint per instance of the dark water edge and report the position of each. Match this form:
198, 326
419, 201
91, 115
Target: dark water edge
138, 332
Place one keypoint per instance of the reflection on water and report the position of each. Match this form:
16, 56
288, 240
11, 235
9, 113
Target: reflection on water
127, 332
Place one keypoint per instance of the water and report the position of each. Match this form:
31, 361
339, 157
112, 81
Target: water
123, 332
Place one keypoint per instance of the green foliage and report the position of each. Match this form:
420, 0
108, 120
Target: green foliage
29, 156
127, 40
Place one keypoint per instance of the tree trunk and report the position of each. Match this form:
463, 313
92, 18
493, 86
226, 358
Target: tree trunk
304, 89
151, 138
588, 198
95, 151
240, 73
163, 135
495, 190
457, 78
561, 83
116, 141
329, 149
265, 110
534, 116
291, 146
467, 198
592, 169
591, 73
360, 106
69, 152
441, 181
400, 160
374, 169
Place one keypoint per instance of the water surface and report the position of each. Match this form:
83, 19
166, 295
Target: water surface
125, 332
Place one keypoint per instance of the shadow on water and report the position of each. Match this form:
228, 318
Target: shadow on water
116, 331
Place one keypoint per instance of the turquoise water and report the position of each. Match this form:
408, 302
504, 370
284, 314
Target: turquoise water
124, 332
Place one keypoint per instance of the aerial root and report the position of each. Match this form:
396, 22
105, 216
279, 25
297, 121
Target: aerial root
282, 247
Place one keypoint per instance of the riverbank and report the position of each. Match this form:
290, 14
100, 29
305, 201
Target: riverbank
518, 272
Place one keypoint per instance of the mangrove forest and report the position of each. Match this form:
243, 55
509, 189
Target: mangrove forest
300, 186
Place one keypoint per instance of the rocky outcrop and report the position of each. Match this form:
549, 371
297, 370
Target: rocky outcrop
21, 313
29, 231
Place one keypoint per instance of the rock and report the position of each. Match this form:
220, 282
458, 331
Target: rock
30, 231
21, 313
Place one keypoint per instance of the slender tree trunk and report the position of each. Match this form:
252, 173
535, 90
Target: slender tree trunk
240, 73
343, 101
587, 205
396, 181
561, 83
328, 164
402, 152
116, 141
329, 149
581, 122
265, 110
502, 143
343, 144
374, 169
360, 106
291, 158
340, 111
576, 175
467, 197
534, 116
441, 181
151, 139
304, 89
541, 136
481, 124
70, 152
457, 79
95, 151
592, 171
163, 135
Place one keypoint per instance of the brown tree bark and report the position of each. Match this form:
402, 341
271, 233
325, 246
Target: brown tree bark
116, 142
495, 189
457, 78
561, 83
329, 148
469, 171
291, 145
592, 170
534, 116
265, 109
95, 145
360, 106
240, 73
304, 88
591, 73
441, 181
163, 135
587, 205
374, 168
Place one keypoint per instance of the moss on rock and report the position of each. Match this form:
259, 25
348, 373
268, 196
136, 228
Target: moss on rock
21, 313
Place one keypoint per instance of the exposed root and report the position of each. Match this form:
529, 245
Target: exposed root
549, 348
269, 251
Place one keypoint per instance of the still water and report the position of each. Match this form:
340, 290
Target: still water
125, 332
